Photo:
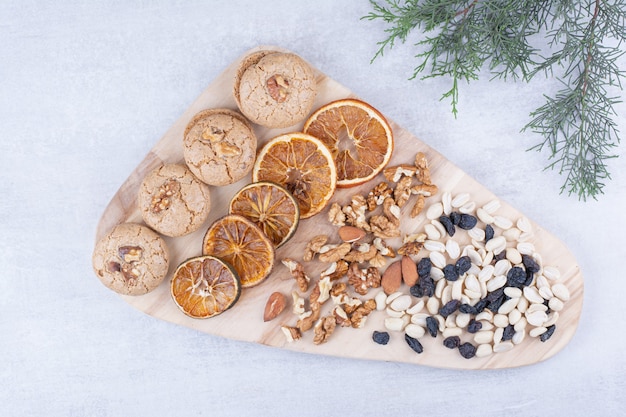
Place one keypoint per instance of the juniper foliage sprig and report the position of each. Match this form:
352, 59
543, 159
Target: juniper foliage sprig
463, 38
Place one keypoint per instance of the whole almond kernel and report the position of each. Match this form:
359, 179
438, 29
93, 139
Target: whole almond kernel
409, 271
275, 305
351, 234
392, 278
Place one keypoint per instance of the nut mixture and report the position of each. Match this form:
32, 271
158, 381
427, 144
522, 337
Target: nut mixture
482, 298
355, 261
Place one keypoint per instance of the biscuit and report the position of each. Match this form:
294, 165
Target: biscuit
219, 146
275, 89
131, 259
173, 201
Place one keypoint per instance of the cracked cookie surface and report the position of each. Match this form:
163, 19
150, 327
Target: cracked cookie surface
275, 89
131, 259
219, 146
173, 201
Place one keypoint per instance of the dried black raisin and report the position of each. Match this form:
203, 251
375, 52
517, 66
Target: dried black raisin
448, 225
547, 304
455, 218
452, 342
413, 343
449, 272
495, 294
548, 333
416, 291
432, 326
494, 305
468, 309
474, 326
488, 233
467, 222
462, 265
516, 277
382, 338
449, 308
428, 286
423, 267
508, 333
529, 278
499, 256
530, 263
480, 305
467, 350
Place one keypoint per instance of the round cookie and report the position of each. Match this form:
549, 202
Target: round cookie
173, 201
131, 259
275, 89
246, 63
219, 146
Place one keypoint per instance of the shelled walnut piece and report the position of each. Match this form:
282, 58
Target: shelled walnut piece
362, 251
406, 181
347, 311
297, 272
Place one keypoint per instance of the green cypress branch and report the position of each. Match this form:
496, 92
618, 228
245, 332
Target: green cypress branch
464, 37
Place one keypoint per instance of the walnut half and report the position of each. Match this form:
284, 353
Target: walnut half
162, 199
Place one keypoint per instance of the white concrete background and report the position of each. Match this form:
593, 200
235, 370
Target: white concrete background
87, 88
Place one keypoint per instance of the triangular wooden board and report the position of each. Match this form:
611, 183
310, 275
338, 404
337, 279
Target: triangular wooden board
244, 321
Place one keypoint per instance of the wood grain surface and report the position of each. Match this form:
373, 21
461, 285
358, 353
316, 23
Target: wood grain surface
245, 320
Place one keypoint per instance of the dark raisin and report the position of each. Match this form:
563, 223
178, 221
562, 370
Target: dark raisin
516, 277
488, 233
499, 256
548, 333
467, 309
547, 304
452, 342
467, 350
462, 265
455, 218
530, 263
449, 308
423, 267
474, 326
382, 338
467, 222
413, 343
508, 333
481, 305
448, 225
495, 294
416, 291
449, 272
432, 326
494, 305
428, 286
529, 278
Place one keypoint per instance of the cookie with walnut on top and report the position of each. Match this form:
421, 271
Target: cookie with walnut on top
173, 201
275, 89
219, 146
131, 259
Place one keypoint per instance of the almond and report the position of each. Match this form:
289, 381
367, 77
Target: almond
392, 278
351, 234
274, 306
409, 271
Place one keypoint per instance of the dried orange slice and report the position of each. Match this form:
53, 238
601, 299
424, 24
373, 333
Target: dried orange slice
241, 243
205, 286
271, 207
357, 135
303, 165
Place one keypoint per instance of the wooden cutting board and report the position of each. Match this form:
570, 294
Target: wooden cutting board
244, 321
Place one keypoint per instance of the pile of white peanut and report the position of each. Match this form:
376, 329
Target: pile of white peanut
531, 310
